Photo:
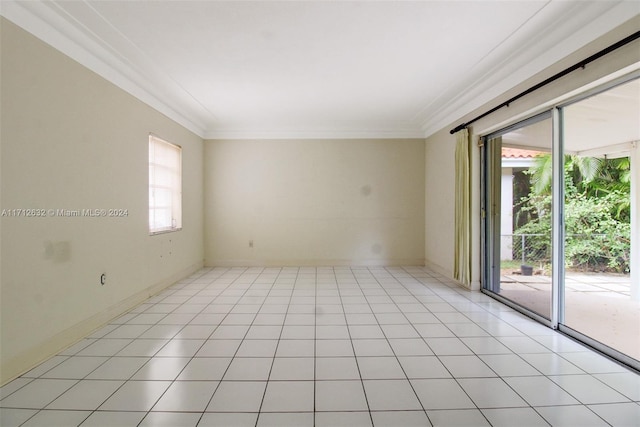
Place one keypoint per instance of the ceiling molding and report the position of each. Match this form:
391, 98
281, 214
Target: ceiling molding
353, 133
581, 24
48, 22
79, 31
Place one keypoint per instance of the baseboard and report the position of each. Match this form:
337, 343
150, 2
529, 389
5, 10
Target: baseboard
438, 269
315, 263
33, 357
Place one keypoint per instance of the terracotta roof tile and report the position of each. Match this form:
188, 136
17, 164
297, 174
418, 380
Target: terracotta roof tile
519, 153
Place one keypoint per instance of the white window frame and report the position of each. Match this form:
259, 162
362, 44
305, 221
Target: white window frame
165, 186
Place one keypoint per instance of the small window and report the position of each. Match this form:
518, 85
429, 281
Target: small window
165, 186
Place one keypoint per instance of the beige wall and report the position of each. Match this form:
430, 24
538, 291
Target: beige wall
440, 147
71, 140
314, 202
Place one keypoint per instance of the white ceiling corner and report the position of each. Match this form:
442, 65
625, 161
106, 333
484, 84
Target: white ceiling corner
314, 69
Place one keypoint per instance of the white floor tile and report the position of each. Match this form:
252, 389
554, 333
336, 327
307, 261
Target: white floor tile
161, 368
104, 347
16, 417
365, 332
45, 366
419, 367
228, 419
343, 419
593, 363
257, 348
226, 332
509, 365
118, 368
289, 419
266, 346
205, 369
142, 348
540, 391
626, 383
86, 395
340, 396
219, 348
551, 364
587, 389
485, 345
441, 394
292, 368
337, 368
380, 368
237, 396
448, 346
75, 367
506, 417
37, 394
51, 418
264, 332
13, 386
399, 331
186, 396
136, 396
294, 332
296, 348
619, 414
458, 418
387, 395
570, 416
170, 419
113, 419
400, 418
288, 396
466, 366
248, 368
180, 348
368, 347
332, 348
500, 395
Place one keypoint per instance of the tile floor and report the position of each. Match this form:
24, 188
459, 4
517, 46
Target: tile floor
333, 346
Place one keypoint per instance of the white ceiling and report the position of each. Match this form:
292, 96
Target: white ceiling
295, 69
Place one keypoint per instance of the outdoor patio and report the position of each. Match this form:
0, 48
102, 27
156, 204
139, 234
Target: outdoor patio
598, 305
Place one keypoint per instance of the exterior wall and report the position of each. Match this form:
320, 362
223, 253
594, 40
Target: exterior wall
73, 141
506, 216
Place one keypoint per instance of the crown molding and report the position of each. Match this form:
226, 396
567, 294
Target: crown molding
518, 60
319, 133
102, 49
49, 22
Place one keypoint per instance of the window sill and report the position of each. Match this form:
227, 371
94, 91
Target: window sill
164, 231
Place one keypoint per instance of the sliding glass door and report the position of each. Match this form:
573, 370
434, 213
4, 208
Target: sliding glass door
519, 168
600, 135
561, 218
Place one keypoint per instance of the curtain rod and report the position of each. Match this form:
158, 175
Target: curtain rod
562, 73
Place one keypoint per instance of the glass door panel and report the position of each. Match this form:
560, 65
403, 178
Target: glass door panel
518, 204
600, 136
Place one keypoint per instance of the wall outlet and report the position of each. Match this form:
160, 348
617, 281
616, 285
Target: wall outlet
250, 243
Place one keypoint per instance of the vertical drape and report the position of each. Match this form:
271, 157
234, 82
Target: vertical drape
462, 247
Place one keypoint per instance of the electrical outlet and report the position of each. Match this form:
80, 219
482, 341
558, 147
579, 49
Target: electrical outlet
250, 243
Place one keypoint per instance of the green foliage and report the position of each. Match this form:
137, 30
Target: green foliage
597, 212
595, 239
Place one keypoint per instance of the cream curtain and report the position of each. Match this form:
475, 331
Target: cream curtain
462, 247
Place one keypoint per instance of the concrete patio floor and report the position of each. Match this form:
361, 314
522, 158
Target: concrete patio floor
597, 305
